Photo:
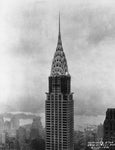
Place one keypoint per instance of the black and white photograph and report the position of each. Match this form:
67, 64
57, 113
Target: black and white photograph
57, 74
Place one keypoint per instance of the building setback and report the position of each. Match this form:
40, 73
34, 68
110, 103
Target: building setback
59, 104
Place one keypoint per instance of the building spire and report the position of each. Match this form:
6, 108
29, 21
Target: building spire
59, 26
59, 34
59, 64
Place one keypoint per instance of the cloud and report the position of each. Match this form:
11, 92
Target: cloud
93, 101
31, 104
29, 21
90, 26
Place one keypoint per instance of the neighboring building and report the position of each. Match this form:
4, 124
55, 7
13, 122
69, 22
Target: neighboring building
100, 132
59, 104
109, 125
37, 129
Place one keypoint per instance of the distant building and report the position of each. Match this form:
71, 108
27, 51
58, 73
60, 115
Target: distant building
7, 126
21, 137
59, 104
1, 124
37, 123
2, 138
11, 126
14, 123
100, 132
90, 133
109, 125
28, 130
79, 140
36, 129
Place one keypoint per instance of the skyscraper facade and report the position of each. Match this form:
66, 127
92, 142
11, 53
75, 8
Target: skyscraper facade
59, 103
109, 125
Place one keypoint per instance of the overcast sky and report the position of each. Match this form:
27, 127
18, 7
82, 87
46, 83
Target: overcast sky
28, 39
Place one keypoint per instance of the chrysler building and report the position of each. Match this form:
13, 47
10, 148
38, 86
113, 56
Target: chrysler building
59, 104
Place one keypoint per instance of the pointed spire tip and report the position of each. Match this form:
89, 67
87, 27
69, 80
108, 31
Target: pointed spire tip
59, 34
59, 22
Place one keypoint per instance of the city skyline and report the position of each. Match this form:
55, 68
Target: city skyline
28, 40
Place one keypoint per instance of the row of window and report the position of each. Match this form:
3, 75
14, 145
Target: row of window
59, 96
